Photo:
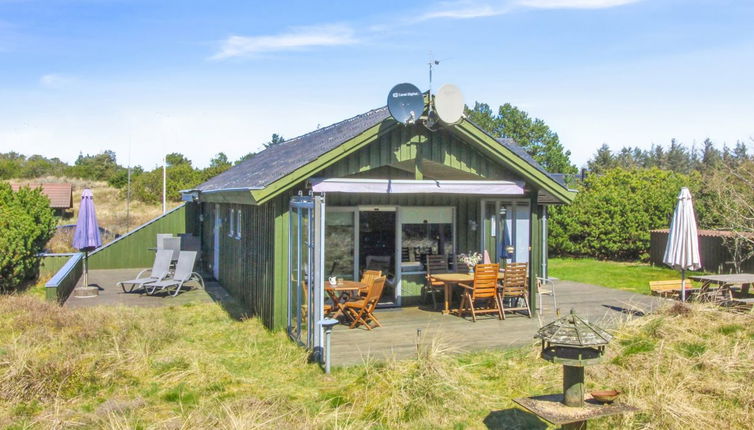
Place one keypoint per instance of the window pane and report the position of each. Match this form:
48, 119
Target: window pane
420, 240
339, 245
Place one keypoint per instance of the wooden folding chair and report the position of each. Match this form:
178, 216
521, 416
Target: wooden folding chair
435, 264
362, 311
327, 309
485, 289
367, 278
515, 288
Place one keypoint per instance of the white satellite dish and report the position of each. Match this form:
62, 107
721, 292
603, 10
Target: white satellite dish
449, 104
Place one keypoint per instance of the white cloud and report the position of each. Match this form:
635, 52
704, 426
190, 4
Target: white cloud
574, 4
54, 81
463, 11
301, 37
468, 9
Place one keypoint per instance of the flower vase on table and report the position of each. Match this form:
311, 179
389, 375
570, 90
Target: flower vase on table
470, 260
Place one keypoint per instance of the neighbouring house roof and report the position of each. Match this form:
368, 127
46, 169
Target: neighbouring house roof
58, 193
276, 162
708, 233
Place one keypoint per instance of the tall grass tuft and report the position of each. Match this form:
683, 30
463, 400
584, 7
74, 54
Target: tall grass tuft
192, 366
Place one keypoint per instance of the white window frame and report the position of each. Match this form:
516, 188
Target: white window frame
231, 223
238, 225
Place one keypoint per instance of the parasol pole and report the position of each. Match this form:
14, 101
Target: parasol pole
86, 269
683, 285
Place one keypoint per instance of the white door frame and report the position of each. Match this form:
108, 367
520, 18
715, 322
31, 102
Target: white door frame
216, 243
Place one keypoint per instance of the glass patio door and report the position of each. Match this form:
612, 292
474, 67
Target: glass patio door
305, 269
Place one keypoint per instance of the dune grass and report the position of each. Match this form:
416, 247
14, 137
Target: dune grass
194, 367
632, 276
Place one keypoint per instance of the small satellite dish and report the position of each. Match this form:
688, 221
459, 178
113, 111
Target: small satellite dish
405, 103
449, 104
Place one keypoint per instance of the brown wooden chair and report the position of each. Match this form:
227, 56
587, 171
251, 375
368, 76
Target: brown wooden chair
362, 311
367, 278
327, 309
484, 289
435, 264
515, 288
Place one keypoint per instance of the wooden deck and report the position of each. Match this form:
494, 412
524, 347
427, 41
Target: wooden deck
398, 336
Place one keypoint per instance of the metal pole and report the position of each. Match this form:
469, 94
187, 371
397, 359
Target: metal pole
328, 330
164, 182
86, 269
128, 189
683, 285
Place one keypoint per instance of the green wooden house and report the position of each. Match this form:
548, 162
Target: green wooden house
366, 192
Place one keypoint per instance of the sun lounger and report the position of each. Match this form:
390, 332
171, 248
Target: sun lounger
159, 271
184, 272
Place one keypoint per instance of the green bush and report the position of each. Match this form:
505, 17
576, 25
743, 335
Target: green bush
613, 213
147, 187
26, 224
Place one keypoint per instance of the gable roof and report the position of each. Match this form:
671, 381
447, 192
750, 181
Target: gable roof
276, 161
259, 174
58, 193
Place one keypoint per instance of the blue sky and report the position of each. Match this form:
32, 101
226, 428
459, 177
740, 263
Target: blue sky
144, 78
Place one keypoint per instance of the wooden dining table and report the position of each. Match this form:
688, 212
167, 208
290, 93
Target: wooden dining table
725, 284
451, 279
339, 292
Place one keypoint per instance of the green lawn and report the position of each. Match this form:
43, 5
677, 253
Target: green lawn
624, 276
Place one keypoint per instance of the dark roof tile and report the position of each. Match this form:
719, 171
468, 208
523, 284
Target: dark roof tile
277, 161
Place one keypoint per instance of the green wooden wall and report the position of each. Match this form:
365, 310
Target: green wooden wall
132, 250
49, 264
60, 286
247, 263
255, 268
403, 144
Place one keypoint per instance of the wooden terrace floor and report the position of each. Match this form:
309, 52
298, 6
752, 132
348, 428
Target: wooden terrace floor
398, 336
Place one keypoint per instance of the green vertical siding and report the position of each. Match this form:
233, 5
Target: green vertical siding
49, 264
255, 269
247, 263
535, 246
407, 143
132, 250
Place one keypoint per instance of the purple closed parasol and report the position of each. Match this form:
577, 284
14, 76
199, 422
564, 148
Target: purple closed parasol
86, 238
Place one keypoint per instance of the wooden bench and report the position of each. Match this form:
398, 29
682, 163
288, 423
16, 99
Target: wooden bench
671, 288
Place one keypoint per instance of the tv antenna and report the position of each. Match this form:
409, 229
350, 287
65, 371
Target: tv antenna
432, 63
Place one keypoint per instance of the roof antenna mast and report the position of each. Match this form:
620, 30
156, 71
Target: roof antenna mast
432, 62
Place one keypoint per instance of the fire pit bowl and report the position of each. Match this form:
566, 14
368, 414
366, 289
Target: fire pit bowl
605, 396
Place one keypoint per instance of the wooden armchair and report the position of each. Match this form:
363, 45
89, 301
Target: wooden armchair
483, 289
435, 264
362, 311
368, 278
515, 288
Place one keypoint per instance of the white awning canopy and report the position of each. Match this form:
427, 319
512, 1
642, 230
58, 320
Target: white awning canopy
407, 186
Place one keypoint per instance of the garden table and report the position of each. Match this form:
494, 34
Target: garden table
452, 279
725, 283
344, 288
